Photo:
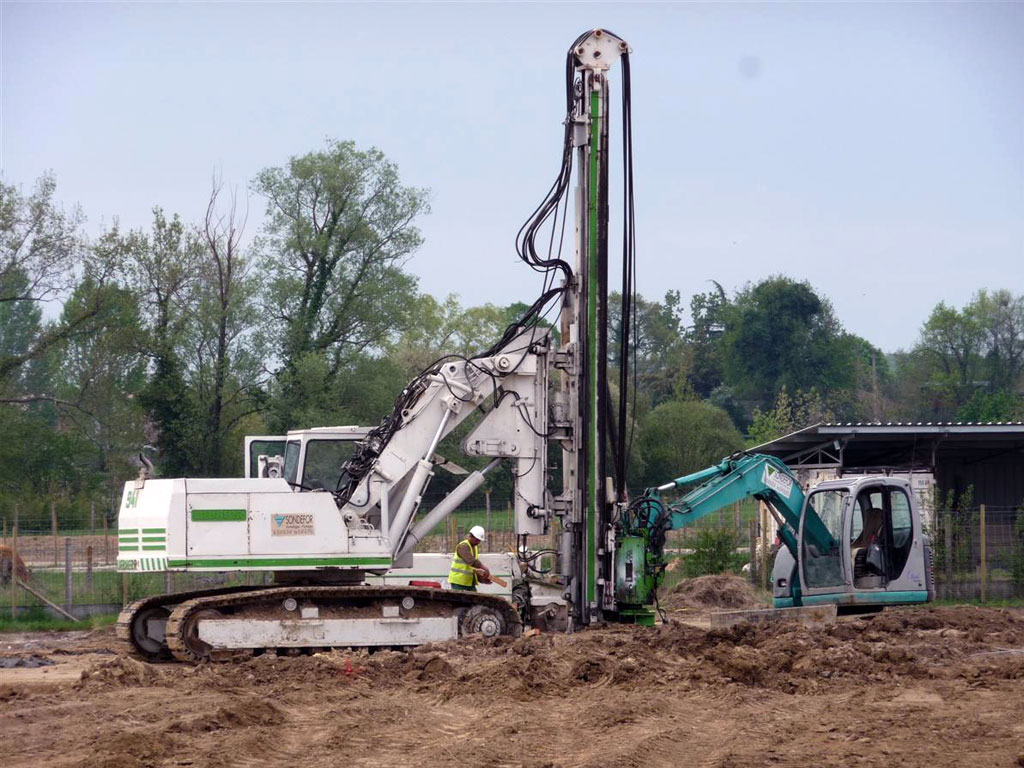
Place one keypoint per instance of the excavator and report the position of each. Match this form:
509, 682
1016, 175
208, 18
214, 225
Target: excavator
328, 539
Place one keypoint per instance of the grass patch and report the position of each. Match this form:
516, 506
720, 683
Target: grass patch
36, 620
992, 602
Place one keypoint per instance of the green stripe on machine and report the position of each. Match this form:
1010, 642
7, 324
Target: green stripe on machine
160, 547
128, 539
127, 530
123, 548
218, 515
154, 538
279, 562
154, 530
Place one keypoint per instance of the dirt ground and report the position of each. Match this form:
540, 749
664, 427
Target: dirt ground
928, 686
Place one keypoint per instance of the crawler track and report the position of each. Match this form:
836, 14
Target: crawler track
184, 611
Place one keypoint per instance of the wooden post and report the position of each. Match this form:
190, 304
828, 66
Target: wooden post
453, 534
765, 547
92, 518
124, 589
738, 522
487, 507
14, 567
106, 543
53, 523
948, 539
168, 582
752, 530
88, 568
984, 557
67, 573
4, 537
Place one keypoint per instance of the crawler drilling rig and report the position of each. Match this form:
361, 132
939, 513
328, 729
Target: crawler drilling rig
531, 390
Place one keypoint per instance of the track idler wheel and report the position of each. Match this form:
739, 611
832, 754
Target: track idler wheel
147, 638
483, 620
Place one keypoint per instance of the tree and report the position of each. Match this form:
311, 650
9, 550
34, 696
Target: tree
41, 246
709, 312
223, 370
788, 415
679, 437
953, 341
339, 229
780, 333
340, 226
661, 353
1000, 314
162, 268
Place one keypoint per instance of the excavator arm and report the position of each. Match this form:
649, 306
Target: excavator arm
646, 521
737, 478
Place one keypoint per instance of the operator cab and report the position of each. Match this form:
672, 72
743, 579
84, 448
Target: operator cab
874, 552
309, 459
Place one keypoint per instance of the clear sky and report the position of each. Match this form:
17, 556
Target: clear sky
876, 150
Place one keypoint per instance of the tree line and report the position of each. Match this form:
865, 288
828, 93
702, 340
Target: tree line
179, 338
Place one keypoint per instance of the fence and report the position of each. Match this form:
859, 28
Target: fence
978, 553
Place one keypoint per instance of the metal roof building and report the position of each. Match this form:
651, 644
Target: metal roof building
989, 457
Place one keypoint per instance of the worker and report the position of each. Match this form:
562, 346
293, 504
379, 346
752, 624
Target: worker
467, 570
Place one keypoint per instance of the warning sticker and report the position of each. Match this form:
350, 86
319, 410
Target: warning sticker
778, 481
292, 525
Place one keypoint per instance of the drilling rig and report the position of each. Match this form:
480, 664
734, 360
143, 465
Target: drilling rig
532, 393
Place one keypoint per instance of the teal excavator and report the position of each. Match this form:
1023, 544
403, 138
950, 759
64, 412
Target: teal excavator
857, 542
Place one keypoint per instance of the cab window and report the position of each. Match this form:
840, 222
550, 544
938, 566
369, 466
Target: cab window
821, 533
324, 459
291, 460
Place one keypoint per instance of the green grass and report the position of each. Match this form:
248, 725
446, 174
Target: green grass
36, 620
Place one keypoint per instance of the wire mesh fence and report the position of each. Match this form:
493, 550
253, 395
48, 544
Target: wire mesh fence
978, 553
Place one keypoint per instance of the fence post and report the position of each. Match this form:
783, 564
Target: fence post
168, 582
487, 507
67, 574
948, 538
124, 589
4, 538
88, 568
92, 518
752, 530
106, 543
765, 547
738, 521
14, 567
53, 522
984, 557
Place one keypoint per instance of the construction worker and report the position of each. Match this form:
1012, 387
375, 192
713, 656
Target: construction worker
467, 570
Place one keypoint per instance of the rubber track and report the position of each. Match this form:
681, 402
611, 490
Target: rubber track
123, 630
254, 596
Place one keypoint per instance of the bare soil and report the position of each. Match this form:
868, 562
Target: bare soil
928, 686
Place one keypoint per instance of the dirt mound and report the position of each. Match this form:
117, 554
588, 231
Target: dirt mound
720, 592
120, 671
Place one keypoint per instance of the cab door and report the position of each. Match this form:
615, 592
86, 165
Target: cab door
823, 565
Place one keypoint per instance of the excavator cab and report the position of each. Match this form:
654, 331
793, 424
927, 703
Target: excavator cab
880, 553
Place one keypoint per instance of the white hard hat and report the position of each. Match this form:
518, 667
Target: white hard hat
477, 532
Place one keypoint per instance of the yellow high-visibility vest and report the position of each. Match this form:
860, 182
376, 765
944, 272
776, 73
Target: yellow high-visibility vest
462, 573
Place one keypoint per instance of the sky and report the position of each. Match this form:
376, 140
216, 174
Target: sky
875, 150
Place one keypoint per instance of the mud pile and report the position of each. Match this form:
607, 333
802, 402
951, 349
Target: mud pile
719, 592
901, 644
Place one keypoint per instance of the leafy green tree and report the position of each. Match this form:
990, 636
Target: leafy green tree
789, 414
41, 247
662, 357
709, 312
162, 268
779, 332
679, 437
953, 341
1001, 316
340, 226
